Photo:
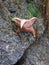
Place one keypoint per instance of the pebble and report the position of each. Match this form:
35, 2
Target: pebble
12, 10
3, 0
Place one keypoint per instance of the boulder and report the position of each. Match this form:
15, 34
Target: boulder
14, 45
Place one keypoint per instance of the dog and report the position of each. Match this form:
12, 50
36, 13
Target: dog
25, 25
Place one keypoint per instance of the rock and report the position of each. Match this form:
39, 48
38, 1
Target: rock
28, 1
39, 27
4, 60
38, 54
12, 43
12, 10
3, 0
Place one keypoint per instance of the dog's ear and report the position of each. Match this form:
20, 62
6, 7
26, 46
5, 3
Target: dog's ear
33, 19
16, 19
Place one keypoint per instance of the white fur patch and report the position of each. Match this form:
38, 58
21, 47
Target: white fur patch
22, 22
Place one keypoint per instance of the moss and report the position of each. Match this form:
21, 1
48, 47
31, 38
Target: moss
33, 11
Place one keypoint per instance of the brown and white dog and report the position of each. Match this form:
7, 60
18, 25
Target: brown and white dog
25, 25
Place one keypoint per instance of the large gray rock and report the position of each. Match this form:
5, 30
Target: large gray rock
11, 43
38, 54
